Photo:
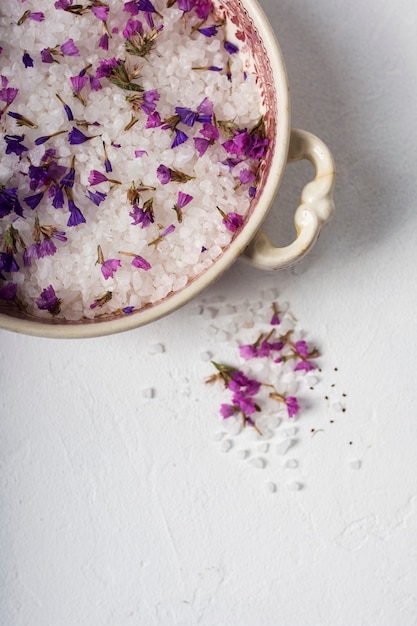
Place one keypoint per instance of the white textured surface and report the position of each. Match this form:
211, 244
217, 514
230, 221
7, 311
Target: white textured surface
118, 508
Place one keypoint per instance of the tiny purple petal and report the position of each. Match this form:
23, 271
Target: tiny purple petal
141, 263
101, 12
69, 48
78, 82
76, 217
97, 197
164, 174
208, 31
36, 16
180, 138
8, 291
154, 120
95, 178
75, 136
27, 60
230, 47
292, 406
233, 222
183, 199
109, 267
227, 410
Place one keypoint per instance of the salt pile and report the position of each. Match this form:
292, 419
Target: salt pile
122, 176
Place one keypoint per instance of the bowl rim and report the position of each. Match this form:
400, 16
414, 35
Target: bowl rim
95, 327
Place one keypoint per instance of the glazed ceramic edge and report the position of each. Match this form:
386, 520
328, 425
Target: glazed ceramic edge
95, 328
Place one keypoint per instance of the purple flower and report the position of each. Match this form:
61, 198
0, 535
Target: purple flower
47, 248
109, 267
256, 146
275, 321
140, 153
32, 252
49, 301
36, 16
14, 144
9, 202
8, 263
186, 5
248, 351
301, 347
103, 42
8, 291
292, 406
164, 174
34, 200
246, 405
78, 82
230, 47
8, 94
141, 263
209, 131
95, 178
187, 116
58, 199
146, 6
46, 56
183, 199
76, 217
201, 145
154, 120
237, 144
62, 4
101, 12
208, 31
227, 410
305, 366
202, 9
168, 230
233, 221
75, 136
149, 101
106, 67
128, 309
143, 216
68, 179
69, 48
131, 7
179, 138
95, 84
252, 191
132, 28
246, 176
27, 60
97, 197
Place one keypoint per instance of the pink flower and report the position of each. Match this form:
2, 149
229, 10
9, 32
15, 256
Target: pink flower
292, 406
141, 263
227, 410
101, 12
95, 178
109, 267
233, 221
69, 48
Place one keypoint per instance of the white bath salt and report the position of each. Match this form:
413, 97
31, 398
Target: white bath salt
283, 446
263, 447
129, 161
209, 313
270, 487
148, 392
258, 463
242, 454
294, 486
157, 348
212, 330
337, 406
205, 356
312, 381
223, 335
355, 464
291, 431
226, 445
291, 464
218, 436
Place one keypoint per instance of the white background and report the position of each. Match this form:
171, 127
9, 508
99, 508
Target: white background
117, 509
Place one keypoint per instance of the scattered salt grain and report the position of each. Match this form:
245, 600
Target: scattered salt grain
294, 486
258, 463
283, 446
225, 445
205, 356
212, 330
291, 431
149, 392
270, 487
218, 436
291, 464
336, 406
242, 454
355, 464
156, 348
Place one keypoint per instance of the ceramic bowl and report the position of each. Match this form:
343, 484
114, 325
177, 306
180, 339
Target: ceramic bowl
249, 27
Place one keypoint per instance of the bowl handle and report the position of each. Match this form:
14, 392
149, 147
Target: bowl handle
315, 209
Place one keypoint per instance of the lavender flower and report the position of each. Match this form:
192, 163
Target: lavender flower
8, 291
9, 202
8, 263
208, 31
108, 267
141, 263
76, 137
49, 301
231, 48
27, 60
14, 144
182, 201
76, 217
97, 197
143, 215
180, 137
69, 48
101, 12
